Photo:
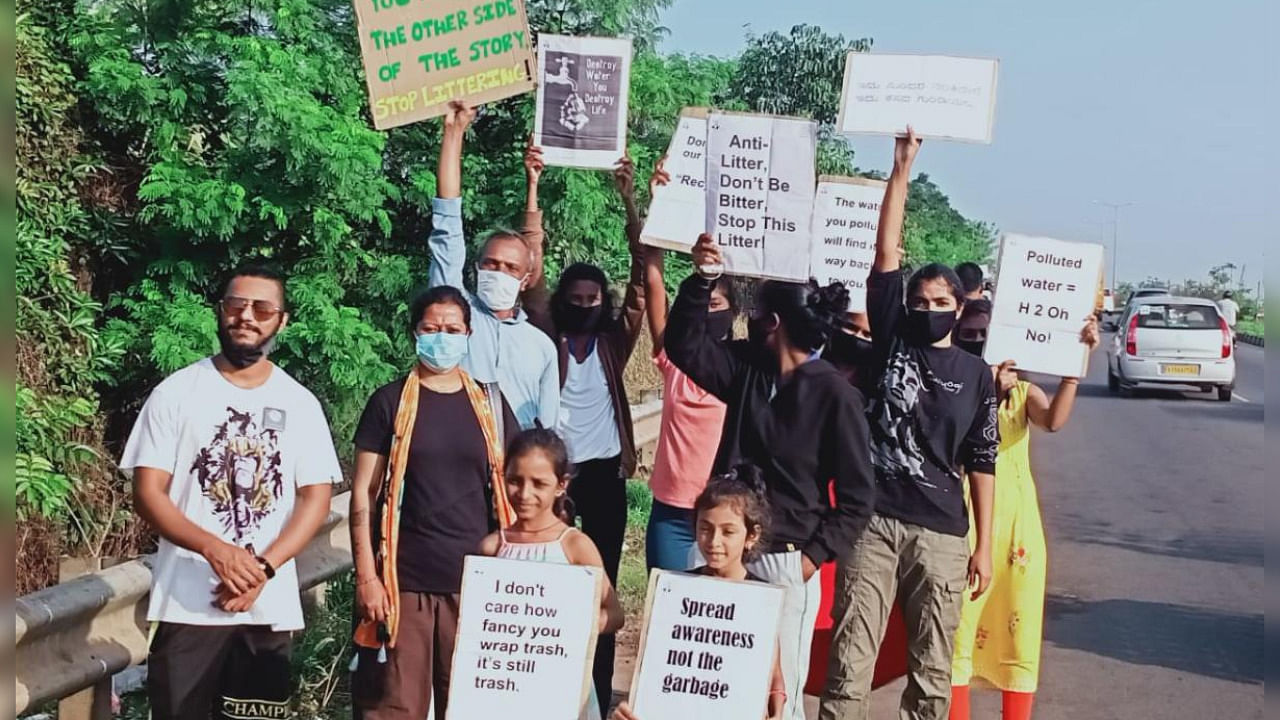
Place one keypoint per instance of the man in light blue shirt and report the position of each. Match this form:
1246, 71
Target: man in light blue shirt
505, 347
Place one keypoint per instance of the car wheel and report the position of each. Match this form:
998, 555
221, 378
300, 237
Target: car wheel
1113, 382
1225, 392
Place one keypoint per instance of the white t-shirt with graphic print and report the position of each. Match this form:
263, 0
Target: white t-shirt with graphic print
237, 457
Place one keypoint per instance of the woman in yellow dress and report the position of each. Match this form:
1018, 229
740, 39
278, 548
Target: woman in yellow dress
999, 635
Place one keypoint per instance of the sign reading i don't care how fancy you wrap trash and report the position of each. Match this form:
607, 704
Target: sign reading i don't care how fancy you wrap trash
418, 55
526, 636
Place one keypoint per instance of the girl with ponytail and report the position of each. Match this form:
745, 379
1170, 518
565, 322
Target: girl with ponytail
795, 417
537, 483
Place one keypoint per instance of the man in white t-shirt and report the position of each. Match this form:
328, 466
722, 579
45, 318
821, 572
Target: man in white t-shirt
232, 464
1229, 309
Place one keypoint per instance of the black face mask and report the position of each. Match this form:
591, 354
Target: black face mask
241, 356
577, 318
973, 347
720, 324
848, 350
926, 327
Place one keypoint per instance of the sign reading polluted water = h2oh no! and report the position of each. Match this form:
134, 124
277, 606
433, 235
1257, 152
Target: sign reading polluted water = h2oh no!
1046, 290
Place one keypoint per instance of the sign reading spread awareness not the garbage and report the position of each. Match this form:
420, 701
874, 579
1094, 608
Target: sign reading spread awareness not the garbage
707, 648
678, 210
940, 96
581, 115
846, 213
526, 638
760, 185
1045, 292
419, 56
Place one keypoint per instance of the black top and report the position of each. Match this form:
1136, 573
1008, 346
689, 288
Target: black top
934, 414
812, 430
447, 489
704, 570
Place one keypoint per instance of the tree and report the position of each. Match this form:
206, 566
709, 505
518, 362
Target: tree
936, 232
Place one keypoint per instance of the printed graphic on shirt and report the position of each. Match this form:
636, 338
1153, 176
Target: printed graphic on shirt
240, 471
986, 454
894, 446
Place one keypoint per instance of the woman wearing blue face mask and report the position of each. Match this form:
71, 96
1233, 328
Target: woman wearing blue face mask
432, 443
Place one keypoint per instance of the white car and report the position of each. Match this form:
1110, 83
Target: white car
1166, 340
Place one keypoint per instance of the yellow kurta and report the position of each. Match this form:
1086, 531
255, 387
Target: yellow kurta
999, 635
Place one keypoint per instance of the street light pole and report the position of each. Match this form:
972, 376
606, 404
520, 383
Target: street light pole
1115, 234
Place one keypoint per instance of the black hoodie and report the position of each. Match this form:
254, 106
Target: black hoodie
810, 431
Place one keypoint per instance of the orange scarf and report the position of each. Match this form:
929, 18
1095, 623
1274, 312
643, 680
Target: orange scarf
388, 545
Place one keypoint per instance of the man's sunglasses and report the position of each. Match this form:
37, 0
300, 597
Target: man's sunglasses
263, 310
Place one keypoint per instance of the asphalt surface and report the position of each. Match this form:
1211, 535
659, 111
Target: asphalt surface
1154, 510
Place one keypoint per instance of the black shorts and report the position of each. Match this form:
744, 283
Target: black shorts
195, 672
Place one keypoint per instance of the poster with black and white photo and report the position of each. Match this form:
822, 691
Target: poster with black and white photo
581, 115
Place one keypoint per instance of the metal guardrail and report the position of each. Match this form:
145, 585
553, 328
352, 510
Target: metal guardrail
76, 634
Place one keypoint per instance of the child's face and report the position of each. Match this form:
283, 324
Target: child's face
723, 536
532, 485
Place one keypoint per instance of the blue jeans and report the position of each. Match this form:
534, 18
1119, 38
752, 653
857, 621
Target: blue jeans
669, 537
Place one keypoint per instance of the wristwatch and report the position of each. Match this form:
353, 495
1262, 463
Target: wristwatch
267, 569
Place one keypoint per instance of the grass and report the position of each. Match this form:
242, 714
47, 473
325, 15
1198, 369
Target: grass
1250, 327
633, 576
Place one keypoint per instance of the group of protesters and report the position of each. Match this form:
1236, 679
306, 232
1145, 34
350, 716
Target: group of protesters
881, 442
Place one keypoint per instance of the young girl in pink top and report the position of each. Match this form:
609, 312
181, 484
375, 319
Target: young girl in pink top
692, 419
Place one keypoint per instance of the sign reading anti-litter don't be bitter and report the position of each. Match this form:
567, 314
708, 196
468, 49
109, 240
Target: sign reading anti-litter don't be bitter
707, 648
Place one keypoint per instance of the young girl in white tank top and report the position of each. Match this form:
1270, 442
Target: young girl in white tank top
537, 475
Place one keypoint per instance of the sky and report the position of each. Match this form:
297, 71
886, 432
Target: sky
1162, 104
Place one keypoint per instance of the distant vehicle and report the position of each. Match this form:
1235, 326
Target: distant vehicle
1146, 292
1108, 301
1166, 340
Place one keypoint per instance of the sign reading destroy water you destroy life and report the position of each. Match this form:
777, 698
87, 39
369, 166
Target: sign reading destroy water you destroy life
581, 117
760, 184
526, 636
846, 213
678, 210
706, 649
1045, 292
951, 98
419, 56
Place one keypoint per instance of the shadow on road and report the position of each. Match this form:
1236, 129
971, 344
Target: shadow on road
1220, 546
1226, 646
1228, 412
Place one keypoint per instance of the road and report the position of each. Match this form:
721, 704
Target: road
1153, 507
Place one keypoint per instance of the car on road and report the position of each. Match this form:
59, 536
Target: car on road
1168, 340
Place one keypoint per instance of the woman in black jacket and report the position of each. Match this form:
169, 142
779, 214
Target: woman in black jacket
793, 415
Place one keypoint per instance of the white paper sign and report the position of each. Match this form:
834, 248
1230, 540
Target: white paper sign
952, 98
1045, 292
846, 213
706, 649
526, 639
678, 210
581, 111
760, 185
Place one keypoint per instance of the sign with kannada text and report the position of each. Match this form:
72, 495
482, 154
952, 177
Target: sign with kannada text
940, 96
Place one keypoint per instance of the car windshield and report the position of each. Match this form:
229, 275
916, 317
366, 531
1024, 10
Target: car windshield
1178, 317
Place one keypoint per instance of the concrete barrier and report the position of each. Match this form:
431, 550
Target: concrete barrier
1258, 340
76, 634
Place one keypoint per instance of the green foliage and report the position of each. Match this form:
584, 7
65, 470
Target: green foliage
936, 232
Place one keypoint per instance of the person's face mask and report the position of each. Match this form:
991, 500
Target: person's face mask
849, 350
497, 290
580, 318
926, 327
441, 351
242, 356
973, 347
720, 324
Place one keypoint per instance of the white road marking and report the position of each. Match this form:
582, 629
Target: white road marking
1240, 397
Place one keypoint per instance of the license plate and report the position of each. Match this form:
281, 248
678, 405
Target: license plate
1169, 369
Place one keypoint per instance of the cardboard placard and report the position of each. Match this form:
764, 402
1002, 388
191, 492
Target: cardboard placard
1046, 290
940, 96
419, 56
678, 210
760, 188
581, 115
526, 639
707, 648
846, 213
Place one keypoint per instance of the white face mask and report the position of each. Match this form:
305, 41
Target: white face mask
497, 290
